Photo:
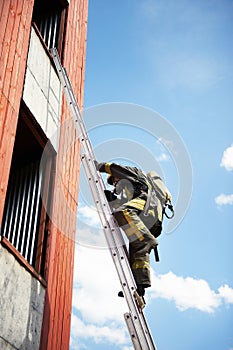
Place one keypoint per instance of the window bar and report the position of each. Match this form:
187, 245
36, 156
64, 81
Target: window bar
44, 34
18, 202
19, 222
50, 31
15, 181
31, 213
22, 209
29, 181
55, 30
38, 181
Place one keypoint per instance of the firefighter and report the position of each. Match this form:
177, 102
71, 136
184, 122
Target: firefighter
131, 184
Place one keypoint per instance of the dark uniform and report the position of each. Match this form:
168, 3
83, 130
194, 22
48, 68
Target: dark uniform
140, 229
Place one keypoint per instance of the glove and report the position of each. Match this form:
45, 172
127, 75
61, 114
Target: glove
98, 165
110, 196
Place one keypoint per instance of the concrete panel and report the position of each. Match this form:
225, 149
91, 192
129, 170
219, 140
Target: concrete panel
36, 100
42, 89
21, 305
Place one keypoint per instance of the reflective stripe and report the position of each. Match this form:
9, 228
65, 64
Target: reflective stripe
151, 212
137, 203
141, 265
133, 227
131, 231
107, 168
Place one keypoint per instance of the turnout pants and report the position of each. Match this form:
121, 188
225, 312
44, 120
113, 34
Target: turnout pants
141, 240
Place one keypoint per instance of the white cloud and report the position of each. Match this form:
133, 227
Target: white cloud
96, 286
89, 215
227, 159
163, 157
89, 229
99, 334
90, 236
226, 293
224, 199
227, 163
185, 292
98, 311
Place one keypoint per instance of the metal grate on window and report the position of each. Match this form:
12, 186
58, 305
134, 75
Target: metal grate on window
49, 27
49, 17
22, 210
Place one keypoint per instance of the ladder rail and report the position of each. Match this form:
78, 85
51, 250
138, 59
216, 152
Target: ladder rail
135, 319
120, 257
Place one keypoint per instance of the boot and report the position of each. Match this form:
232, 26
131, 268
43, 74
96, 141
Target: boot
141, 290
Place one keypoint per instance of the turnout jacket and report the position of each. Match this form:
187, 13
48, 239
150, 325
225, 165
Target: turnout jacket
133, 182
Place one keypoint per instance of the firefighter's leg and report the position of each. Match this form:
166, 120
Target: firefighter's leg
141, 243
140, 267
134, 227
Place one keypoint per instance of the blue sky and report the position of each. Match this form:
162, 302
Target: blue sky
172, 59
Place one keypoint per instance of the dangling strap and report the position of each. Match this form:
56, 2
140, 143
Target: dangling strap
149, 194
156, 253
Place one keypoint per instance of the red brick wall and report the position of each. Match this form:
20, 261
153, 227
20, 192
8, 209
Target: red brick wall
15, 24
57, 316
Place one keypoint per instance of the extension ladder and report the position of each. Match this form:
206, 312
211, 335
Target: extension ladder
135, 319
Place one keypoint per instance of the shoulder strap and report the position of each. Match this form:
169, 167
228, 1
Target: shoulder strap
149, 193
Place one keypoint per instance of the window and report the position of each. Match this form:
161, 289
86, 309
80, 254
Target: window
25, 222
50, 17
